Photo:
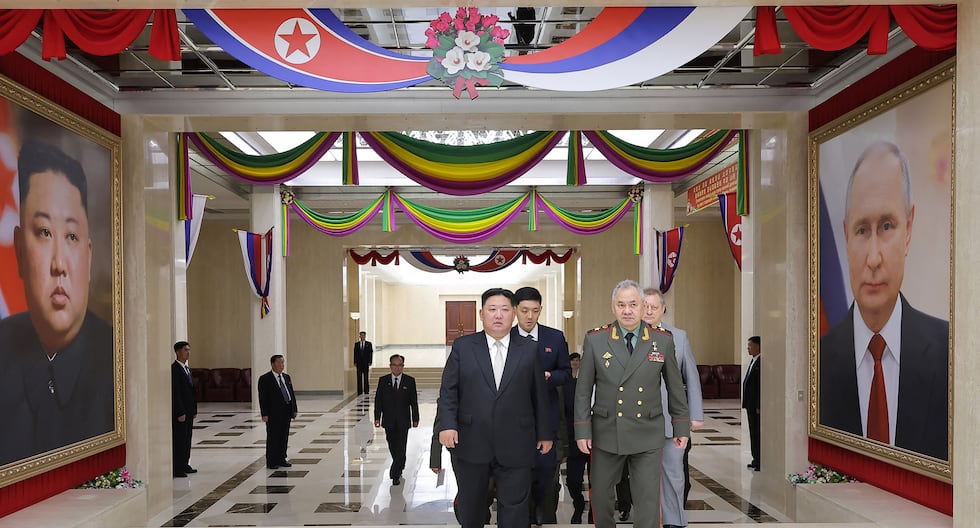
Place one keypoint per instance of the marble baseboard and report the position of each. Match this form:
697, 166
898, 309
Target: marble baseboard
84, 508
862, 503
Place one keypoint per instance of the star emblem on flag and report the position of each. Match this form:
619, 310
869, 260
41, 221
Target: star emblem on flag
297, 41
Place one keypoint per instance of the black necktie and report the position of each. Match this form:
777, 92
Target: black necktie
396, 384
629, 343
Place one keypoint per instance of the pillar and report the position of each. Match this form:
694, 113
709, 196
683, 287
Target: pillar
269, 332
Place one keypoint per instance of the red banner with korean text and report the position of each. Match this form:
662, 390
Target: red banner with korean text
705, 193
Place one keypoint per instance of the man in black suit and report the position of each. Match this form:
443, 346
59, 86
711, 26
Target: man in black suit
184, 407
751, 398
277, 403
363, 357
884, 368
396, 406
553, 357
575, 467
493, 411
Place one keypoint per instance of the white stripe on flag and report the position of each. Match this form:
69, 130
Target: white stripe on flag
195, 225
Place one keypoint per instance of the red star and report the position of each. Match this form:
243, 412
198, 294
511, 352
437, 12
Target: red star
297, 41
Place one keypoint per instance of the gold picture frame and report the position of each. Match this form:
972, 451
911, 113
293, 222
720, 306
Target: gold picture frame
852, 233
27, 118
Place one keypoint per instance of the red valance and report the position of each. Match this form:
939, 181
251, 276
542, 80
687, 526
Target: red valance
833, 28
374, 257
95, 31
547, 256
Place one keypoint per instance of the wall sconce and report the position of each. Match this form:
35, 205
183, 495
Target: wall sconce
355, 315
567, 314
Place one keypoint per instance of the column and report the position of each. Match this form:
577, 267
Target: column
352, 293
966, 254
269, 332
777, 254
569, 310
658, 213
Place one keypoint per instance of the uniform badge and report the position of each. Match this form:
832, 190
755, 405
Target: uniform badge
607, 363
654, 346
607, 355
653, 356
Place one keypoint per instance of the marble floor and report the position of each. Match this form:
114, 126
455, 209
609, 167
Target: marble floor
340, 472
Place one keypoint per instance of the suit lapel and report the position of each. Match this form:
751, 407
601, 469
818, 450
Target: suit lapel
617, 346
518, 348
482, 355
914, 384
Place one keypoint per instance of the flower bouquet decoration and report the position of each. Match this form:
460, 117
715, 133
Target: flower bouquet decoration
116, 479
817, 474
461, 264
466, 50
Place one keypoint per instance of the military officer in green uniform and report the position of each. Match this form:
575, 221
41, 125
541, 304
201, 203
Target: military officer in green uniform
624, 363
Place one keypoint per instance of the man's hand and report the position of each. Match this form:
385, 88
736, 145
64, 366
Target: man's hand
377, 423
547, 375
436, 470
449, 438
696, 424
265, 418
584, 445
182, 418
544, 446
415, 424
680, 442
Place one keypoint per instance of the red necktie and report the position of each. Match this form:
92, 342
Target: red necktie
878, 403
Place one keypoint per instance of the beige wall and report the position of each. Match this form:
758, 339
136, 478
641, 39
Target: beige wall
704, 292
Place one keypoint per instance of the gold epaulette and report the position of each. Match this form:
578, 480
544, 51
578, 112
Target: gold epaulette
663, 330
602, 328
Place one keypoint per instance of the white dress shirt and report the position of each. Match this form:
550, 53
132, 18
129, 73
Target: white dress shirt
533, 333
891, 360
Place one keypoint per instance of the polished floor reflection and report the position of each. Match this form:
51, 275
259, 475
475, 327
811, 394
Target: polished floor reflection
339, 475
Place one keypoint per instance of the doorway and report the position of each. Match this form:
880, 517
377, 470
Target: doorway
460, 319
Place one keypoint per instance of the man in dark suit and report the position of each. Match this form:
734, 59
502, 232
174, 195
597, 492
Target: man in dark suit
624, 363
493, 413
553, 357
363, 357
575, 467
184, 409
396, 408
277, 403
884, 368
752, 399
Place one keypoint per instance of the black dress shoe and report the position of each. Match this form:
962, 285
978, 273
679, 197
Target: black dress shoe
179, 474
189, 469
396, 481
576, 518
285, 464
271, 466
624, 515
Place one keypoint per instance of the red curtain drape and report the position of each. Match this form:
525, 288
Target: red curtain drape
546, 257
837, 27
15, 26
374, 257
95, 31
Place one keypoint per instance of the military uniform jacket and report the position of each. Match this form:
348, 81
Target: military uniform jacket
627, 416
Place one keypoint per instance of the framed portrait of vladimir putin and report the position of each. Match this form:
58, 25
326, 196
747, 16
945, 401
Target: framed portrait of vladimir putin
61, 329
880, 246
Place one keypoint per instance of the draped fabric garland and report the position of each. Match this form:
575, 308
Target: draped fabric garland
95, 31
426, 261
932, 27
456, 170
462, 226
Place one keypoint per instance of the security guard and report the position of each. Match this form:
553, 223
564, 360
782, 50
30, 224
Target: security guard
624, 362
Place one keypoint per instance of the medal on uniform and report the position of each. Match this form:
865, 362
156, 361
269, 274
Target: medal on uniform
606, 356
654, 346
607, 363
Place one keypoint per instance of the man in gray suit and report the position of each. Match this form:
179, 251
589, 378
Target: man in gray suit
624, 362
494, 414
674, 479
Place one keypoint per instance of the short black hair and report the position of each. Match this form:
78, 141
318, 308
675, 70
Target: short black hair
574, 355
274, 357
527, 293
399, 356
756, 339
179, 345
36, 157
362, 333
493, 292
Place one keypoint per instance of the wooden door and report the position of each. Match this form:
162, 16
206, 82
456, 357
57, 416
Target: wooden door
460, 319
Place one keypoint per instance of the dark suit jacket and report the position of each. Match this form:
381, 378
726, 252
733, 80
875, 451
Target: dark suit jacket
503, 424
396, 410
271, 402
553, 356
182, 392
751, 398
923, 382
363, 358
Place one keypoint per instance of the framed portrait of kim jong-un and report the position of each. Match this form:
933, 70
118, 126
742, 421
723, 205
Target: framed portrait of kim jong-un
62, 391
880, 244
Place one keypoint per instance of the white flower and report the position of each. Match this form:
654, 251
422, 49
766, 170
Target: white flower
467, 40
454, 61
478, 61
